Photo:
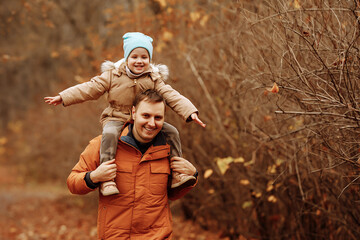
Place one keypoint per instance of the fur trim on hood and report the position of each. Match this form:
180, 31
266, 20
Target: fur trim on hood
158, 70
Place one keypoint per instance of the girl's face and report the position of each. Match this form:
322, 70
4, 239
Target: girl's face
138, 60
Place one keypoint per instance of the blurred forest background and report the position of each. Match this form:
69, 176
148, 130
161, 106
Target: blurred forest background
276, 82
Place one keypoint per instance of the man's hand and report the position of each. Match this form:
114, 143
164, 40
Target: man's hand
105, 172
196, 119
182, 165
53, 100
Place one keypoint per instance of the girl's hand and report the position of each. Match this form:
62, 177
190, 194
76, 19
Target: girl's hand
53, 100
181, 165
196, 119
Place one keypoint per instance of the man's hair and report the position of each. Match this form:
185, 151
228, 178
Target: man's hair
149, 96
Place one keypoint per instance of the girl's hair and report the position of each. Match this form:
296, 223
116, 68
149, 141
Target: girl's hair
149, 95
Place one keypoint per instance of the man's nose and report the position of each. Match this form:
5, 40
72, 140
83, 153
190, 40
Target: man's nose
151, 122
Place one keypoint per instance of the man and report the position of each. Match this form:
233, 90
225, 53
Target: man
141, 170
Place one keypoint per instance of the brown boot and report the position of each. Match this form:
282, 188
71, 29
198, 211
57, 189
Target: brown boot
108, 188
180, 180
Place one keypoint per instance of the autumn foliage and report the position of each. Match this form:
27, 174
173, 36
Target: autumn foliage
276, 82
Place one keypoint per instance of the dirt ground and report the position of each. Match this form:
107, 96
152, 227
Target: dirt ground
40, 212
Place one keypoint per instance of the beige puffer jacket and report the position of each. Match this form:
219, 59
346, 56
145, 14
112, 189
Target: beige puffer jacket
122, 90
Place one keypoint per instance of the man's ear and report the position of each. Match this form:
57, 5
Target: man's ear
133, 110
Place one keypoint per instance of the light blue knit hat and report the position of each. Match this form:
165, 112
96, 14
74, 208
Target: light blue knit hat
134, 40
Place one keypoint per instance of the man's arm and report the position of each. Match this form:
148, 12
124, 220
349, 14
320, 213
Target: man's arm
88, 162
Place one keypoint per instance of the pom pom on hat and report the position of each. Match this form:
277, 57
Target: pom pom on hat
134, 40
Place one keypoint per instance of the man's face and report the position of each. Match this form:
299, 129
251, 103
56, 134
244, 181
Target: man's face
148, 120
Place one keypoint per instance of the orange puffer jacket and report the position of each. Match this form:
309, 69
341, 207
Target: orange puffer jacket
141, 210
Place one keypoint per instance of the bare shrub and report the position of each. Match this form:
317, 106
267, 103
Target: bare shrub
301, 169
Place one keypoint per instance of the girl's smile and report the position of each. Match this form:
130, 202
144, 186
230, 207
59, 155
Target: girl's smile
138, 60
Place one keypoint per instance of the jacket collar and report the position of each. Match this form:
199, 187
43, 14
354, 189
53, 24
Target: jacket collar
128, 137
156, 71
122, 70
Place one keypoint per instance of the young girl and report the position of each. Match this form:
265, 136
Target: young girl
122, 81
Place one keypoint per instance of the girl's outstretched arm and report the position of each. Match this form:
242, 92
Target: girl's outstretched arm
53, 100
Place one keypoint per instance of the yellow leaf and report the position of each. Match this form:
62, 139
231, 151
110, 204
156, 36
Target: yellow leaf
271, 169
246, 204
269, 188
244, 182
167, 36
162, 3
297, 4
204, 20
195, 16
239, 160
256, 194
208, 173
272, 199
223, 163
278, 162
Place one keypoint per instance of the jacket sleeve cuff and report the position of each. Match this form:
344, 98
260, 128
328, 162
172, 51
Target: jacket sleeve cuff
189, 119
89, 182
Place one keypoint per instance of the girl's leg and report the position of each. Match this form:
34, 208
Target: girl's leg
179, 180
173, 139
109, 141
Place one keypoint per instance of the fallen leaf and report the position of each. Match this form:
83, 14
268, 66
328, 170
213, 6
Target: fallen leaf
246, 204
208, 173
244, 182
223, 164
297, 4
162, 3
239, 160
267, 118
272, 199
269, 188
